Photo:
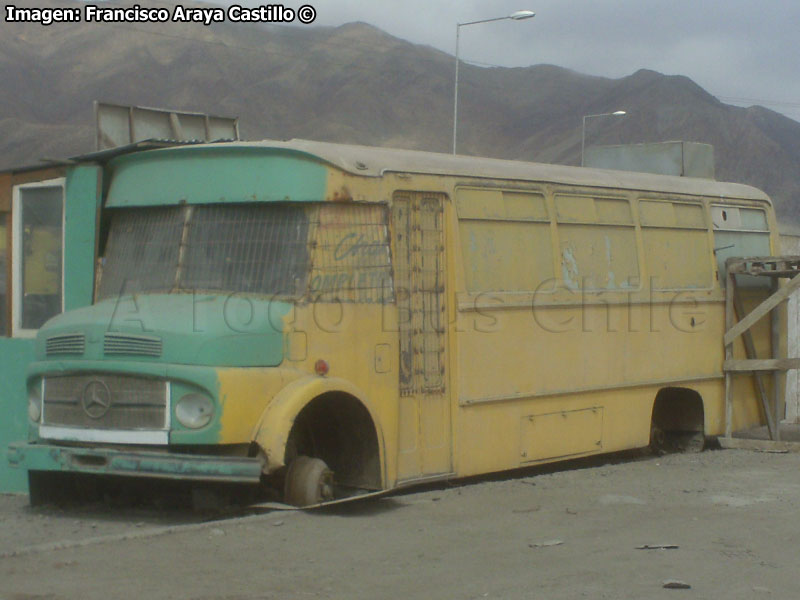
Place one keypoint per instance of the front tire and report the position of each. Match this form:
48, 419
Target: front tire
309, 481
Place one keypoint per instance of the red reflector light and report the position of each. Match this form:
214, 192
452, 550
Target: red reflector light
321, 367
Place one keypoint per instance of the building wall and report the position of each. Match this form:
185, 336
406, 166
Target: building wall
80, 217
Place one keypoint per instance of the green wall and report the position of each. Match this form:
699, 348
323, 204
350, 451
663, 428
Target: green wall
80, 214
16, 354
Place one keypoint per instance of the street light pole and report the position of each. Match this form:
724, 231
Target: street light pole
515, 16
617, 113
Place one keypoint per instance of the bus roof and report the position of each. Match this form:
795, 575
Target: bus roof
372, 161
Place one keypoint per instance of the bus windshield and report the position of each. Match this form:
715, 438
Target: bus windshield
254, 248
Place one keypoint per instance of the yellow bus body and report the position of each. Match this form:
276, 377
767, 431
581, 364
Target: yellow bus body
530, 375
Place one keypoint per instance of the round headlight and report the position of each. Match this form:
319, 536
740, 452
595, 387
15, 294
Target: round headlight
194, 411
35, 403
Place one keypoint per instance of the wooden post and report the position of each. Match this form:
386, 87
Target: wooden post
762, 309
775, 332
750, 350
737, 323
730, 290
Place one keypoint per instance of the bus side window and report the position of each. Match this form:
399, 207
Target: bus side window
598, 243
676, 248
506, 241
38, 257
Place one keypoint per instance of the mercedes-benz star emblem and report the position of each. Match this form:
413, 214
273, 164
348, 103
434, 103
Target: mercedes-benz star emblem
96, 399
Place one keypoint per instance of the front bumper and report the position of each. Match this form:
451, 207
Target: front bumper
134, 463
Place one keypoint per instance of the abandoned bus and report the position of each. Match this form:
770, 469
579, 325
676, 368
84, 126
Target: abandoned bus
326, 320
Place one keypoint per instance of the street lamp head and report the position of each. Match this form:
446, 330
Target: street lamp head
616, 113
522, 14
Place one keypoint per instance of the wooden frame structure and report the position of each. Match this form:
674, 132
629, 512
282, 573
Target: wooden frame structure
774, 267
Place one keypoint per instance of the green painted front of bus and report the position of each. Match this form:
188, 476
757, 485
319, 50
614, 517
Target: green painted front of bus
82, 198
220, 330
200, 337
199, 175
215, 174
183, 379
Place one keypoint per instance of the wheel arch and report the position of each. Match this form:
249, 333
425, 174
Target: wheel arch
678, 408
275, 426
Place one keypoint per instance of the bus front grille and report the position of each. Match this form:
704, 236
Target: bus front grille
105, 401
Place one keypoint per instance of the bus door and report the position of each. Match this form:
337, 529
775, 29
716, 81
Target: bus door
424, 411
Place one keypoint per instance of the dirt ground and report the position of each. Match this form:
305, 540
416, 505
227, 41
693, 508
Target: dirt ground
734, 516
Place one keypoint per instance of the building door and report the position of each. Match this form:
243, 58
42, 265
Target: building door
424, 419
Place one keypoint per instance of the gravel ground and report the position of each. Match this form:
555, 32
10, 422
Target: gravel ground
570, 533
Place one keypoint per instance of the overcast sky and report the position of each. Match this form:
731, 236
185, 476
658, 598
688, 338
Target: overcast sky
743, 52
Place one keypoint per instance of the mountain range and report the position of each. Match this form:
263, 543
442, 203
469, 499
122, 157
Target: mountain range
358, 84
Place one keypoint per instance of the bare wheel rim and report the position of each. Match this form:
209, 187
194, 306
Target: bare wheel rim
308, 481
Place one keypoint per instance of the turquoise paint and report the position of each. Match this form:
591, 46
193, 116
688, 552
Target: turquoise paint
199, 333
207, 435
208, 329
44, 457
80, 217
203, 377
183, 379
80, 213
17, 354
204, 175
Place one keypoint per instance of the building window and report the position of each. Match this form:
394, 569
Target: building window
38, 255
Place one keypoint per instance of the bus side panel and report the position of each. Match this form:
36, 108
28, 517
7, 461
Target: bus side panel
567, 359
563, 371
